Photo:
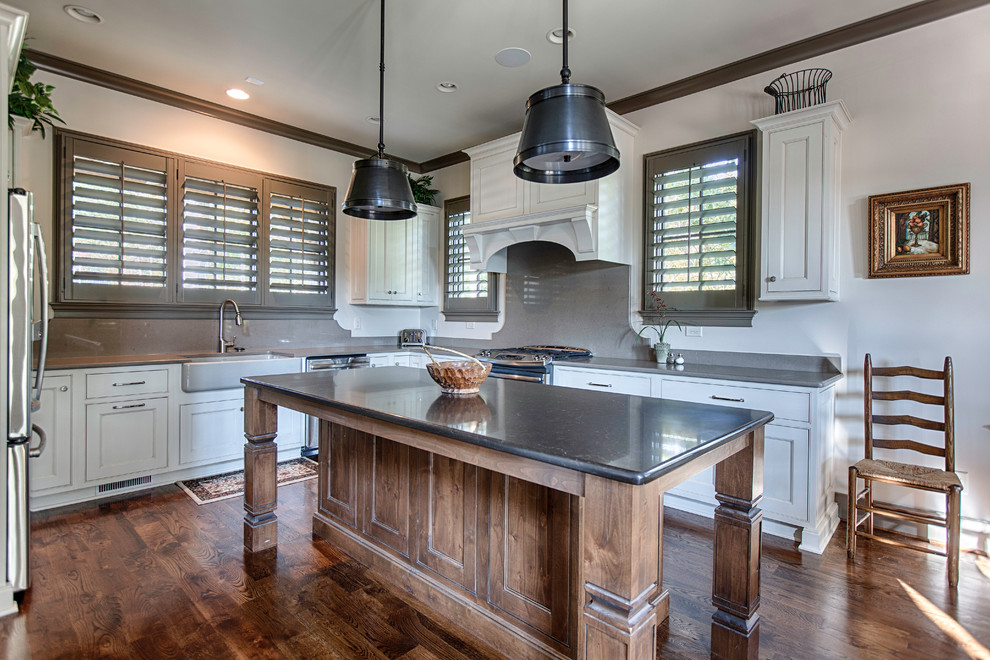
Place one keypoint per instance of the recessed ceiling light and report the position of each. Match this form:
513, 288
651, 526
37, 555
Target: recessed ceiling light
373, 120
556, 36
512, 57
447, 87
82, 14
254, 81
238, 94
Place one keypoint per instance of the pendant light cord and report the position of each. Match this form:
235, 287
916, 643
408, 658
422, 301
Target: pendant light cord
381, 90
565, 73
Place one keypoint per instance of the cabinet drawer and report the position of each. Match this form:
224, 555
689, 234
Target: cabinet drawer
126, 437
604, 381
126, 383
795, 406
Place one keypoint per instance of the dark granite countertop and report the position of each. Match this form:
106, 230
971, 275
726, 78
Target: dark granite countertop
822, 377
625, 438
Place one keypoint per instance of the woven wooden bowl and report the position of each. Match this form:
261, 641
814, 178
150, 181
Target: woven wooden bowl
459, 376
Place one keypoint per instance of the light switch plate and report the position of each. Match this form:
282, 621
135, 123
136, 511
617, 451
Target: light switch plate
692, 331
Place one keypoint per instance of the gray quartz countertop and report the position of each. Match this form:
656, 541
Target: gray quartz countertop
812, 377
624, 438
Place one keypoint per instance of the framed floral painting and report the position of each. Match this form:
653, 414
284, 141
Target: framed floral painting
920, 232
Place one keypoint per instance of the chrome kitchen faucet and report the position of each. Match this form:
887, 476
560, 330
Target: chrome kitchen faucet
228, 343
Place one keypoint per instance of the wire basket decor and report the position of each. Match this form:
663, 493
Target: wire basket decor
801, 89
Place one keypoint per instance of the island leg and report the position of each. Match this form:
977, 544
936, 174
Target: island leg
622, 564
260, 465
736, 575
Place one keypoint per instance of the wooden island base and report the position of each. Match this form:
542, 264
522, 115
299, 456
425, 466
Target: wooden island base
535, 559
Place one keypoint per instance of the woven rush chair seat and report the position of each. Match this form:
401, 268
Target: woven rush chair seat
916, 476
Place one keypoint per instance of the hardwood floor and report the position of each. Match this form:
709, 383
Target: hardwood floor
157, 576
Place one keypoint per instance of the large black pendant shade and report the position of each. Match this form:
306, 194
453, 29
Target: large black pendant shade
379, 188
566, 137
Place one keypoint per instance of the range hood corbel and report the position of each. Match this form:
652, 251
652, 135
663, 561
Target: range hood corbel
575, 227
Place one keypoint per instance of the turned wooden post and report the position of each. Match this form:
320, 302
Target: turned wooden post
736, 575
260, 465
621, 570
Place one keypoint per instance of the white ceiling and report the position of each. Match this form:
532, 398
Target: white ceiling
319, 58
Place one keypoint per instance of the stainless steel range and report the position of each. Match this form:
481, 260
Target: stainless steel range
529, 363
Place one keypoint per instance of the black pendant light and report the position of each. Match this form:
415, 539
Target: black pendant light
379, 188
566, 137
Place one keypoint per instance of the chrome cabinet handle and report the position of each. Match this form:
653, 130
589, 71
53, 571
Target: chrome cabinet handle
136, 382
133, 405
772, 278
728, 398
64, 388
600, 384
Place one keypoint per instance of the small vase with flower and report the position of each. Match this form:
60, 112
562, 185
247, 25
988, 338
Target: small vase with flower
659, 312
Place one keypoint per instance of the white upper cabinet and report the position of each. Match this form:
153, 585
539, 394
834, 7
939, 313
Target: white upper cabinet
594, 219
800, 203
395, 262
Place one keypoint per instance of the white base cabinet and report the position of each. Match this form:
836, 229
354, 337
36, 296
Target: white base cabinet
125, 437
53, 468
798, 490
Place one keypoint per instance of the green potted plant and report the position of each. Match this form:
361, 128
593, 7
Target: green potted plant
662, 348
31, 101
422, 192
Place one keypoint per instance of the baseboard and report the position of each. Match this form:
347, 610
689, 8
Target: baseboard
8, 605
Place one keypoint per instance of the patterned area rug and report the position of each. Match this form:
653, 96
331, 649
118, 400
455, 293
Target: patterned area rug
231, 484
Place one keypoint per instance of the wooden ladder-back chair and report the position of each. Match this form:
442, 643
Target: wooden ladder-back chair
872, 470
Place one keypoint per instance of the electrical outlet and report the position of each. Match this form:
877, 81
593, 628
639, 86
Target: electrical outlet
469, 325
692, 331
435, 324
357, 323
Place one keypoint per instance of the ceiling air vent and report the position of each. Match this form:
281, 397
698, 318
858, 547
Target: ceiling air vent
126, 483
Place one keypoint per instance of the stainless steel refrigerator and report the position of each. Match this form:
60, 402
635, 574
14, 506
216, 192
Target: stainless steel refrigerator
27, 323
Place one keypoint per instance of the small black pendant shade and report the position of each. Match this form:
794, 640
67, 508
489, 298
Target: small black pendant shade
566, 137
379, 188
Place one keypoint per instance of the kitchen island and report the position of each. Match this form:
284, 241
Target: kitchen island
531, 515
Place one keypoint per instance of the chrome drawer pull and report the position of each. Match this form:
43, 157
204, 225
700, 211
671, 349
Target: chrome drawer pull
133, 405
600, 384
136, 382
728, 398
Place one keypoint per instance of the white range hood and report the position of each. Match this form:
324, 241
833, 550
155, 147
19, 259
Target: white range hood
595, 220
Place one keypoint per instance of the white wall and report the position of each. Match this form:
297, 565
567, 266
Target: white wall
918, 101
98, 111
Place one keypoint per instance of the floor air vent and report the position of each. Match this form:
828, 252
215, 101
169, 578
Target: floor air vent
126, 483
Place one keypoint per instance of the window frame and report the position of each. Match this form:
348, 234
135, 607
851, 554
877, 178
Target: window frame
486, 309
175, 301
695, 307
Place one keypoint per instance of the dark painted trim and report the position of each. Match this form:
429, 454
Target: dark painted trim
440, 162
175, 99
883, 25
102, 310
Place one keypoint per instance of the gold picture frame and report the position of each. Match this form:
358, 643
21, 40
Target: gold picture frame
920, 232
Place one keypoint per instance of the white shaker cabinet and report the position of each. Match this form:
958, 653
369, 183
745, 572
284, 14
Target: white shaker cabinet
53, 468
395, 262
126, 436
800, 203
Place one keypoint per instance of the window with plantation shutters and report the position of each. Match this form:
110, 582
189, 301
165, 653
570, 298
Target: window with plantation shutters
469, 294
158, 234
300, 248
116, 232
219, 235
697, 231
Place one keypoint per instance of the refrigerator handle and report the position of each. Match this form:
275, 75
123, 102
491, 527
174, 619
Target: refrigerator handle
43, 350
35, 452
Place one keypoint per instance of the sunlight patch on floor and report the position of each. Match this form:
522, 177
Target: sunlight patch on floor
948, 625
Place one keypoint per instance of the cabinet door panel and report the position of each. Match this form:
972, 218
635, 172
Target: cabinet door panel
386, 499
495, 191
212, 431
550, 197
530, 554
448, 519
785, 472
339, 450
54, 467
794, 215
126, 437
